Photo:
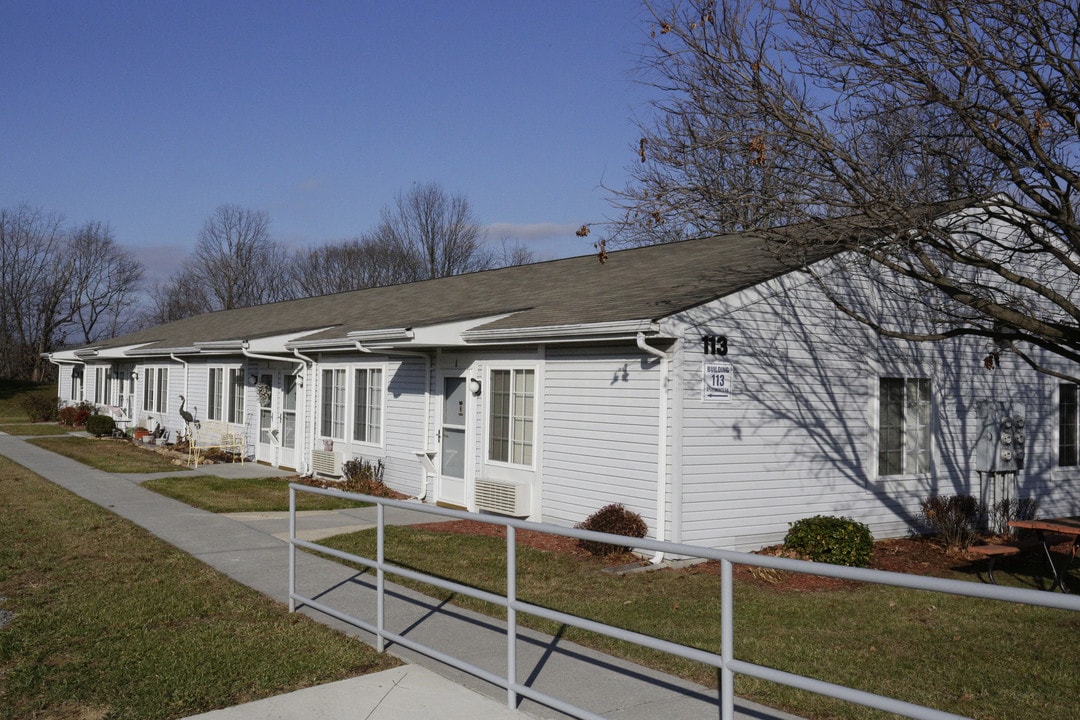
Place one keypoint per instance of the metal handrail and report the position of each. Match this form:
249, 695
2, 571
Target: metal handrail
725, 662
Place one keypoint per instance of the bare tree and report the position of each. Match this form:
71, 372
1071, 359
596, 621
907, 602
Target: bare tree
437, 234
57, 282
235, 264
363, 262
105, 281
797, 110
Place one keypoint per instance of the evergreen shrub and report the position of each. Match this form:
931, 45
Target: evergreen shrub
99, 425
831, 539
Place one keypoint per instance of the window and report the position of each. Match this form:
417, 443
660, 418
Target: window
226, 401
76, 384
1068, 426
512, 409
903, 426
367, 406
214, 407
236, 396
103, 386
333, 404
156, 390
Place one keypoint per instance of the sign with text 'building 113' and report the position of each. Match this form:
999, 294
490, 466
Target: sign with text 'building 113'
718, 379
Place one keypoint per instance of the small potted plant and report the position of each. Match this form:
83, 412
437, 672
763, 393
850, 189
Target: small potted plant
140, 434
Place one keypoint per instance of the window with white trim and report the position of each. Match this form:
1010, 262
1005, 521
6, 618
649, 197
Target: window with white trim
156, 389
215, 394
225, 395
333, 404
1068, 425
512, 416
236, 396
76, 384
103, 386
903, 426
368, 405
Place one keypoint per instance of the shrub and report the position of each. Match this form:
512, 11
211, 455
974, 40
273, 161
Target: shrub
954, 517
75, 415
831, 539
40, 407
363, 476
616, 520
1020, 509
99, 425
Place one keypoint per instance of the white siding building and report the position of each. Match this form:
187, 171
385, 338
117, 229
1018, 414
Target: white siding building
707, 385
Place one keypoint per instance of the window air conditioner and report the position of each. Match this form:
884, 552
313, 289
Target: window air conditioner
326, 462
504, 498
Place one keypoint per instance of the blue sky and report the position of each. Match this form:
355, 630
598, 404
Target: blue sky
149, 114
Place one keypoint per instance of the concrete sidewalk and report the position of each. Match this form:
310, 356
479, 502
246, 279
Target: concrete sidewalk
249, 548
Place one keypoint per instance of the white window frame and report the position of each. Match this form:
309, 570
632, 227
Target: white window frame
226, 396
78, 378
909, 454
155, 389
237, 392
104, 387
333, 410
368, 422
516, 442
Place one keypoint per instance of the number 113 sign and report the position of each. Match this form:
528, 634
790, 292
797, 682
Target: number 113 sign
718, 379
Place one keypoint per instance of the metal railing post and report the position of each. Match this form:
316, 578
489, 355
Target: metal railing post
511, 616
380, 575
292, 549
727, 642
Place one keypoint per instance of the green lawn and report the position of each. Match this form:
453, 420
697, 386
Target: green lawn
34, 429
975, 658
223, 495
115, 456
107, 621
11, 391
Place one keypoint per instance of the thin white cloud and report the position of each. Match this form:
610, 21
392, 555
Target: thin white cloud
533, 231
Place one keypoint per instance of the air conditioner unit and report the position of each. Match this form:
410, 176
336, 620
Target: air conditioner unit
326, 462
502, 497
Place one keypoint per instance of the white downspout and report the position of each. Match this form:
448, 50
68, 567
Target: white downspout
309, 432
172, 356
661, 445
423, 453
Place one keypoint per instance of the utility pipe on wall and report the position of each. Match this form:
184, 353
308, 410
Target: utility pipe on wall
661, 444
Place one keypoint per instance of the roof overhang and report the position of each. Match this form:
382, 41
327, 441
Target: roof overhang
617, 330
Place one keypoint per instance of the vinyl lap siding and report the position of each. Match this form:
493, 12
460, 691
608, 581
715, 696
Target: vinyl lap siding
404, 425
599, 434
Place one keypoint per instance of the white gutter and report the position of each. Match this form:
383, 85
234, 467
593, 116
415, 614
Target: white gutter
661, 445
423, 454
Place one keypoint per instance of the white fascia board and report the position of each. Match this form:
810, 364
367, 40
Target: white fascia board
122, 352
163, 351
621, 329
383, 336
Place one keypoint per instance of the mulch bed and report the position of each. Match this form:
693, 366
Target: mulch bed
917, 556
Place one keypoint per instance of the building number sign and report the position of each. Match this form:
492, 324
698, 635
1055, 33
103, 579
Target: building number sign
717, 381
714, 344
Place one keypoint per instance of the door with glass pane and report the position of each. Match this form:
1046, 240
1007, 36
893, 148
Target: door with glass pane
453, 442
277, 391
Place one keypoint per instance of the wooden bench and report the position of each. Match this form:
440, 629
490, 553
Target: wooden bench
207, 435
993, 551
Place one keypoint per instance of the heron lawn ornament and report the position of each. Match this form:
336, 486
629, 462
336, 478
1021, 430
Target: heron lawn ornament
188, 417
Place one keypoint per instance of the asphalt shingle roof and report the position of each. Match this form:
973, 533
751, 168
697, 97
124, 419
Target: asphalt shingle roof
645, 283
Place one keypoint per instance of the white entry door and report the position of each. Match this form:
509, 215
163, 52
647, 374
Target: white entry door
277, 392
453, 437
